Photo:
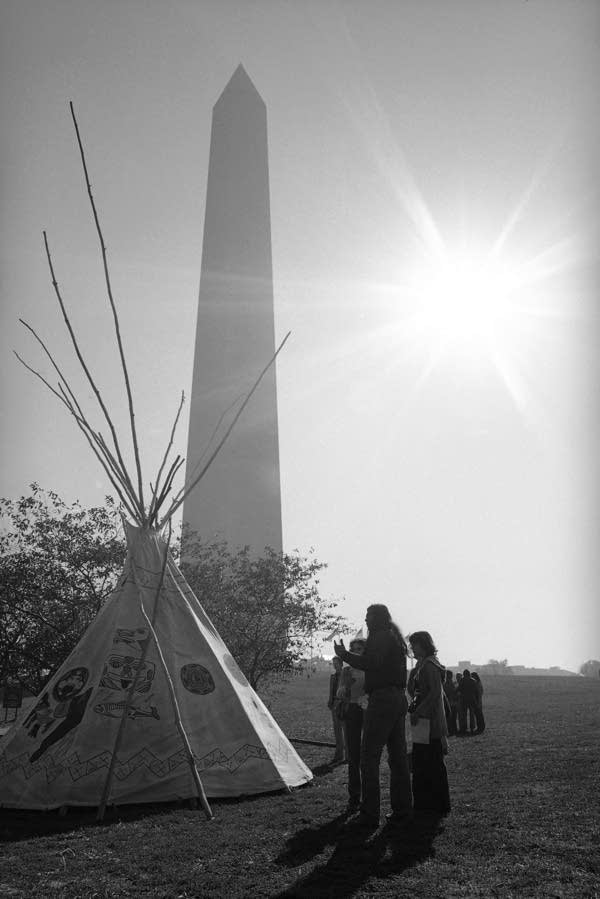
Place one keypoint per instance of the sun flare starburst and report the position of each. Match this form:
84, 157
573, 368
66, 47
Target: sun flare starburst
463, 304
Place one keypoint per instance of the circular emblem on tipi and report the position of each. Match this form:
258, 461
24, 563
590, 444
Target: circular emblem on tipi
70, 684
234, 669
197, 679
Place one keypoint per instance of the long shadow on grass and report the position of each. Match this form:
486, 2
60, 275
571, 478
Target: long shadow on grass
21, 824
357, 856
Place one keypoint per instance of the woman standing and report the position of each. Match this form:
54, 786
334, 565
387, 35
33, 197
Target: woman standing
352, 692
427, 716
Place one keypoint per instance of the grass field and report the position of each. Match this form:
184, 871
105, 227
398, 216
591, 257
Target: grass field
525, 821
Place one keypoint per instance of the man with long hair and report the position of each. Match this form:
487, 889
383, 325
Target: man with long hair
384, 724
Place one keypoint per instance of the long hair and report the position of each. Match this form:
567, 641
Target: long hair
382, 621
426, 641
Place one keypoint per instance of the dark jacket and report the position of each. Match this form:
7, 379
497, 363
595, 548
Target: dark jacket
468, 689
334, 682
383, 662
426, 688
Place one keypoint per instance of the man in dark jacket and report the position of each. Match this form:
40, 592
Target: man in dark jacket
384, 723
468, 693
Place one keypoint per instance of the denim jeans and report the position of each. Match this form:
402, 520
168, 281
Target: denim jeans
339, 735
354, 726
384, 725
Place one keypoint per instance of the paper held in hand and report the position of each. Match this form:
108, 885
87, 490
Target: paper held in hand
421, 730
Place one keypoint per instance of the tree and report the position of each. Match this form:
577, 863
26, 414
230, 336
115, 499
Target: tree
58, 564
591, 668
267, 608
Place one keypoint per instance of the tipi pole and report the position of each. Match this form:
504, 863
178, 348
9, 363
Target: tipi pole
85, 428
122, 722
206, 448
114, 312
175, 504
101, 403
75, 409
179, 722
153, 510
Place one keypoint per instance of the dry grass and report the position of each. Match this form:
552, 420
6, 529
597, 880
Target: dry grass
524, 821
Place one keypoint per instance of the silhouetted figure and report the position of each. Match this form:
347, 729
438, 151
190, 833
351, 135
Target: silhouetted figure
430, 778
451, 693
352, 693
480, 720
468, 706
384, 664
333, 705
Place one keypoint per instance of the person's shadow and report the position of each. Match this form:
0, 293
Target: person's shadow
357, 856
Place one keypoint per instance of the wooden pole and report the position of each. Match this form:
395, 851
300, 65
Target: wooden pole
175, 505
114, 312
130, 692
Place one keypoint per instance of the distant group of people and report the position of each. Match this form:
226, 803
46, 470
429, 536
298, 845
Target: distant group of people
464, 703
372, 697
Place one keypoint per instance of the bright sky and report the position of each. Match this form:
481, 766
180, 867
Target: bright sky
434, 220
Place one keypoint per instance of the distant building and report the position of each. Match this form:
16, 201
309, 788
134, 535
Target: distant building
554, 671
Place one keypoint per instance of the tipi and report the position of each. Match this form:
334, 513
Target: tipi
150, 706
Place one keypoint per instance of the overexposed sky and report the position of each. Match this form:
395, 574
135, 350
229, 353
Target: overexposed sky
439, 460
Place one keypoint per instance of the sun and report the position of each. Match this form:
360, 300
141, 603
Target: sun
463, 304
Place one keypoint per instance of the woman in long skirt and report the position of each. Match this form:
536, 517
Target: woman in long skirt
428, 719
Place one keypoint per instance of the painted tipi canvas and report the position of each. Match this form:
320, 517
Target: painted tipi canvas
150, 682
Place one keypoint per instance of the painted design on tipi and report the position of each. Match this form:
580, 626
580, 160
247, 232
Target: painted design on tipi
197, 679
70, 701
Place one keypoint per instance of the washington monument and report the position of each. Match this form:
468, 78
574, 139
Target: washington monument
239, 500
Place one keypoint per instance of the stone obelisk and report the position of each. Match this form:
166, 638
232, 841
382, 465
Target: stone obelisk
239, 499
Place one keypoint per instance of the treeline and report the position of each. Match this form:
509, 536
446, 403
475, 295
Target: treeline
59, 564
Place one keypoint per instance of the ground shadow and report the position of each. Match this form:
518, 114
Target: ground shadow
357, 856
25, 824
324, 768
22, 824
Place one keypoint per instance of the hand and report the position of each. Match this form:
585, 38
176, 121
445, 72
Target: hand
414, 719
339, 648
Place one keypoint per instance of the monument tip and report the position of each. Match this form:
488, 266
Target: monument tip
239, 81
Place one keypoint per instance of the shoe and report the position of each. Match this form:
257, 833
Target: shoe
395, 819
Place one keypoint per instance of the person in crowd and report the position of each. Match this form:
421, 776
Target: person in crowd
479, 708
468, 705
459, 701
333, 705
384, 664
352, 693
451, 694
430, 778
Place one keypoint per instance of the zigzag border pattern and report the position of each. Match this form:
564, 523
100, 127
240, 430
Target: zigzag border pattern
144, 758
